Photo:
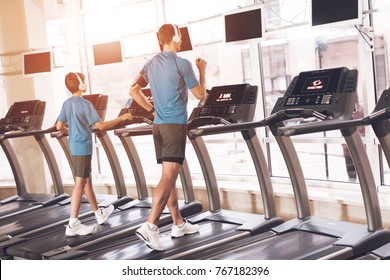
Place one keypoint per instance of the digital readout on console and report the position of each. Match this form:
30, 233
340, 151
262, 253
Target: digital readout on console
21, 110
225, 97
316, 84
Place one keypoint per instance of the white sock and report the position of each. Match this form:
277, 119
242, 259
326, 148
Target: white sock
72, 222
152, 226
98, 212
182, 224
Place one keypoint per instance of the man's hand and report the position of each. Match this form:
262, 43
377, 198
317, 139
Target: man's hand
201, 64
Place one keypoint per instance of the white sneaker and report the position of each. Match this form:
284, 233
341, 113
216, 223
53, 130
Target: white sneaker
150, 237
183, 229
78, 229
104, 214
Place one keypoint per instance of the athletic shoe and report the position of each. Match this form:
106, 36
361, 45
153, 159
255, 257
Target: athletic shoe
183, 229
104, 214
78, 229
150, 237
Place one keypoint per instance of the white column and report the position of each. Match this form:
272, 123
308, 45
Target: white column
14, 38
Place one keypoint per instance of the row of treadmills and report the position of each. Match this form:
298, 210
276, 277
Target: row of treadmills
32, 225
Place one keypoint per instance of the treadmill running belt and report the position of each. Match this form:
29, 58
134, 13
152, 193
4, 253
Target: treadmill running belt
57, 240
289, 246
209, 231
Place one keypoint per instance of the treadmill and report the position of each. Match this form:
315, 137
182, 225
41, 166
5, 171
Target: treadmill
328, 95
225, 105
122, 223
379, 121
15, 230
24, 119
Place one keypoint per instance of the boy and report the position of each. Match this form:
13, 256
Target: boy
81, 116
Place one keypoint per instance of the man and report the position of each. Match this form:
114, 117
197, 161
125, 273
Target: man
169, 77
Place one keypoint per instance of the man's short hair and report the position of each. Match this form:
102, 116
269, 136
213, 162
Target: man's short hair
166, 33
72, 83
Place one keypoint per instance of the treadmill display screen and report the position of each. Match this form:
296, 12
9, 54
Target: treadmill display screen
226, 97
315, 88
316, 84
22, 109
24, 115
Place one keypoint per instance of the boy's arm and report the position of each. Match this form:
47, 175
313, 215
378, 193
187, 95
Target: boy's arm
105, 125
61, 127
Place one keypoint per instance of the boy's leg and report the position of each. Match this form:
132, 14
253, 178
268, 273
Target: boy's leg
76, 197
100, 214
89, 192
81, 168
75, 227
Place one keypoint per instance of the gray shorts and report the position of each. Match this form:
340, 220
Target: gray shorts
82, 166
170, 142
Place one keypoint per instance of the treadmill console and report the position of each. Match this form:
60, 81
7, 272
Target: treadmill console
231, 103
328, 91
139, 113
24, 115
99, 102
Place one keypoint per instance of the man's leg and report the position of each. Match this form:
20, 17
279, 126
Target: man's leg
164, 190
173, 206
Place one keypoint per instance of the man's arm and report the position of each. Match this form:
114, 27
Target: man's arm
136, 93
199, 91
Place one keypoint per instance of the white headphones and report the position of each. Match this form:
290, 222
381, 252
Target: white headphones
82, 86
176, 38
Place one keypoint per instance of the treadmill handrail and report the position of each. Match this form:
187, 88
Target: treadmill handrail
222, 120
318, 127
218, 129
273, 118
134, 131
57, 134
145, 120
17, 134
383, 114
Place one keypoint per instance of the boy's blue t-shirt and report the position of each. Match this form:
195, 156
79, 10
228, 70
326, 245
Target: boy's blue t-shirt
80, 115
170, 77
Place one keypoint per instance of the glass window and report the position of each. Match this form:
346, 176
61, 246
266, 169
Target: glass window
199, 10
139, 47
290, 46
118, 21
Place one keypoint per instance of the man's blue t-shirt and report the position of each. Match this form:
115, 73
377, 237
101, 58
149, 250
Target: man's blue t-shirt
80, 116
170, 77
